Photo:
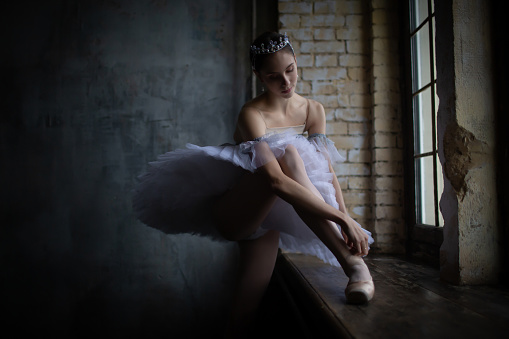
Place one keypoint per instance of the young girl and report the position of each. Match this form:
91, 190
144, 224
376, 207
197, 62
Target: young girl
274, 188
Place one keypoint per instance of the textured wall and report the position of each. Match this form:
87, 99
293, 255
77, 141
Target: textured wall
470, 253
93, 91
347, 54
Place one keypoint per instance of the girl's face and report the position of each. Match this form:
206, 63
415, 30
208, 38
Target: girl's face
279, 74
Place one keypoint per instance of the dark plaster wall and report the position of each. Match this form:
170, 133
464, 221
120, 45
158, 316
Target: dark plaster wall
92, 91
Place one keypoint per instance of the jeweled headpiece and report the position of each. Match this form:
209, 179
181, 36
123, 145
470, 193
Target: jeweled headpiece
273, 46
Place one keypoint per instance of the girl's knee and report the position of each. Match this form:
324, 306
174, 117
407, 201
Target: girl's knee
291, 160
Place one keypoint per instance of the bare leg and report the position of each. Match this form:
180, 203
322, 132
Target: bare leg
327, 231
241, 211
257, 259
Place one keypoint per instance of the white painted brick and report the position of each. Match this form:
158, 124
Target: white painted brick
385, 84
335, 128
361, 212
305, 60
324, 7
299, 34
303, 87
324, 34
358, 155
324, 73
386, 97
323, 47
353, 60
360, 100
351, 142
295, 7
355, 197
353, 114
328, 101
388, 154
384, 140
328, 20
324, 60
387, 198
383, 31
324, 87
358, 128
353, 87
388, 212
384, 111
346, 33
359, 183
349, 7
289, 20
356, 46
385, 72
343, 182
355, 20
383, 227
330, 114
388, 168
388, 183
380, 16
381, 44
357, 73
387, 125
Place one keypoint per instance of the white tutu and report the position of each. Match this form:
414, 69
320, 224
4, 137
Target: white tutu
176, 193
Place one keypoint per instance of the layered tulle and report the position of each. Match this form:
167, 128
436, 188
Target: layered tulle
178, 190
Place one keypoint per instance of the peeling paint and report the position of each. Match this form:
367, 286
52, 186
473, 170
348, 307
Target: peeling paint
463, 152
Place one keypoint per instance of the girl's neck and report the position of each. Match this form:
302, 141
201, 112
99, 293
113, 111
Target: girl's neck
278, 104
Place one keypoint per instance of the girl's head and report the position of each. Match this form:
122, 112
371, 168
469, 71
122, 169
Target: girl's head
273, 61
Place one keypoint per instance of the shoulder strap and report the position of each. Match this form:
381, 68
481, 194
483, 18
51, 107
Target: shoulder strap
307, 110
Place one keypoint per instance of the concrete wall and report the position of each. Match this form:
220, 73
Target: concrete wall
347, 54
467, 117
92, 92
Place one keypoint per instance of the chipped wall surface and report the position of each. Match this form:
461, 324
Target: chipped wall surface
93, 92
466, 125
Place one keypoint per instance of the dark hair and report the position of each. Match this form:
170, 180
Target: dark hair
257, 60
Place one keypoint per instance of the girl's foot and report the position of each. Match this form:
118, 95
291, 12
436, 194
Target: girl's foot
360, 288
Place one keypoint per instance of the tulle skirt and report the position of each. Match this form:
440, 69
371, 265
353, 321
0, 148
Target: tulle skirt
177, 192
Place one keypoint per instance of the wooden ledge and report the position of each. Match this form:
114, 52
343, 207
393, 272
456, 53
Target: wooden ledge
410, 301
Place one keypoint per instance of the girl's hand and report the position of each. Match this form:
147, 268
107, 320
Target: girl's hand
355, 238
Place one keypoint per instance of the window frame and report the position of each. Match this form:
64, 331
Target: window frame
423, 241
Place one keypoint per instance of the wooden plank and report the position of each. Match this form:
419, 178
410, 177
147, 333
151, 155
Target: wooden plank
409, 301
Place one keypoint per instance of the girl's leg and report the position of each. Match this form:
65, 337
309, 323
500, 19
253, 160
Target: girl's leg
238, 215
327, 231
257, 258
240, 212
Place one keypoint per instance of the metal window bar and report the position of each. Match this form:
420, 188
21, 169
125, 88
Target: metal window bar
432, 85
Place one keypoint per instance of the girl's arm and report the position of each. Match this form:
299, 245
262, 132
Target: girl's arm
251, 126
339, 194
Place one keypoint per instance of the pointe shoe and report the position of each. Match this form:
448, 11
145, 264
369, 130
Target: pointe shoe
359, 292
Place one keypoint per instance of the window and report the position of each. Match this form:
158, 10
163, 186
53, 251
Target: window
423, 103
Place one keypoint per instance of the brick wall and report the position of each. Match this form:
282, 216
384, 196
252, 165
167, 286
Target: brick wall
347, 54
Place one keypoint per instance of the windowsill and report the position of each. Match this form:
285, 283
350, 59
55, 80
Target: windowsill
424, 243
410, 300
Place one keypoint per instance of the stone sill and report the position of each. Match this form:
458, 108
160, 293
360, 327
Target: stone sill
410, 301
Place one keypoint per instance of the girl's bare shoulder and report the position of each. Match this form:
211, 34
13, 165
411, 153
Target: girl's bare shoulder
316, 117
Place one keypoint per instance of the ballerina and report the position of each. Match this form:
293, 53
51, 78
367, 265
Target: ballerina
274, 188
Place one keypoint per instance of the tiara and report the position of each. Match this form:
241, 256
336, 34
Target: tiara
273, 46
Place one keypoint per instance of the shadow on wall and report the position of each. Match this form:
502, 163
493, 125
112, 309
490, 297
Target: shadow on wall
93, 92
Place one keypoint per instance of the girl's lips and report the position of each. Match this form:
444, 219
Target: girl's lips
288, 90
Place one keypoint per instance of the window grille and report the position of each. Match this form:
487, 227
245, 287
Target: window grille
428, 180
